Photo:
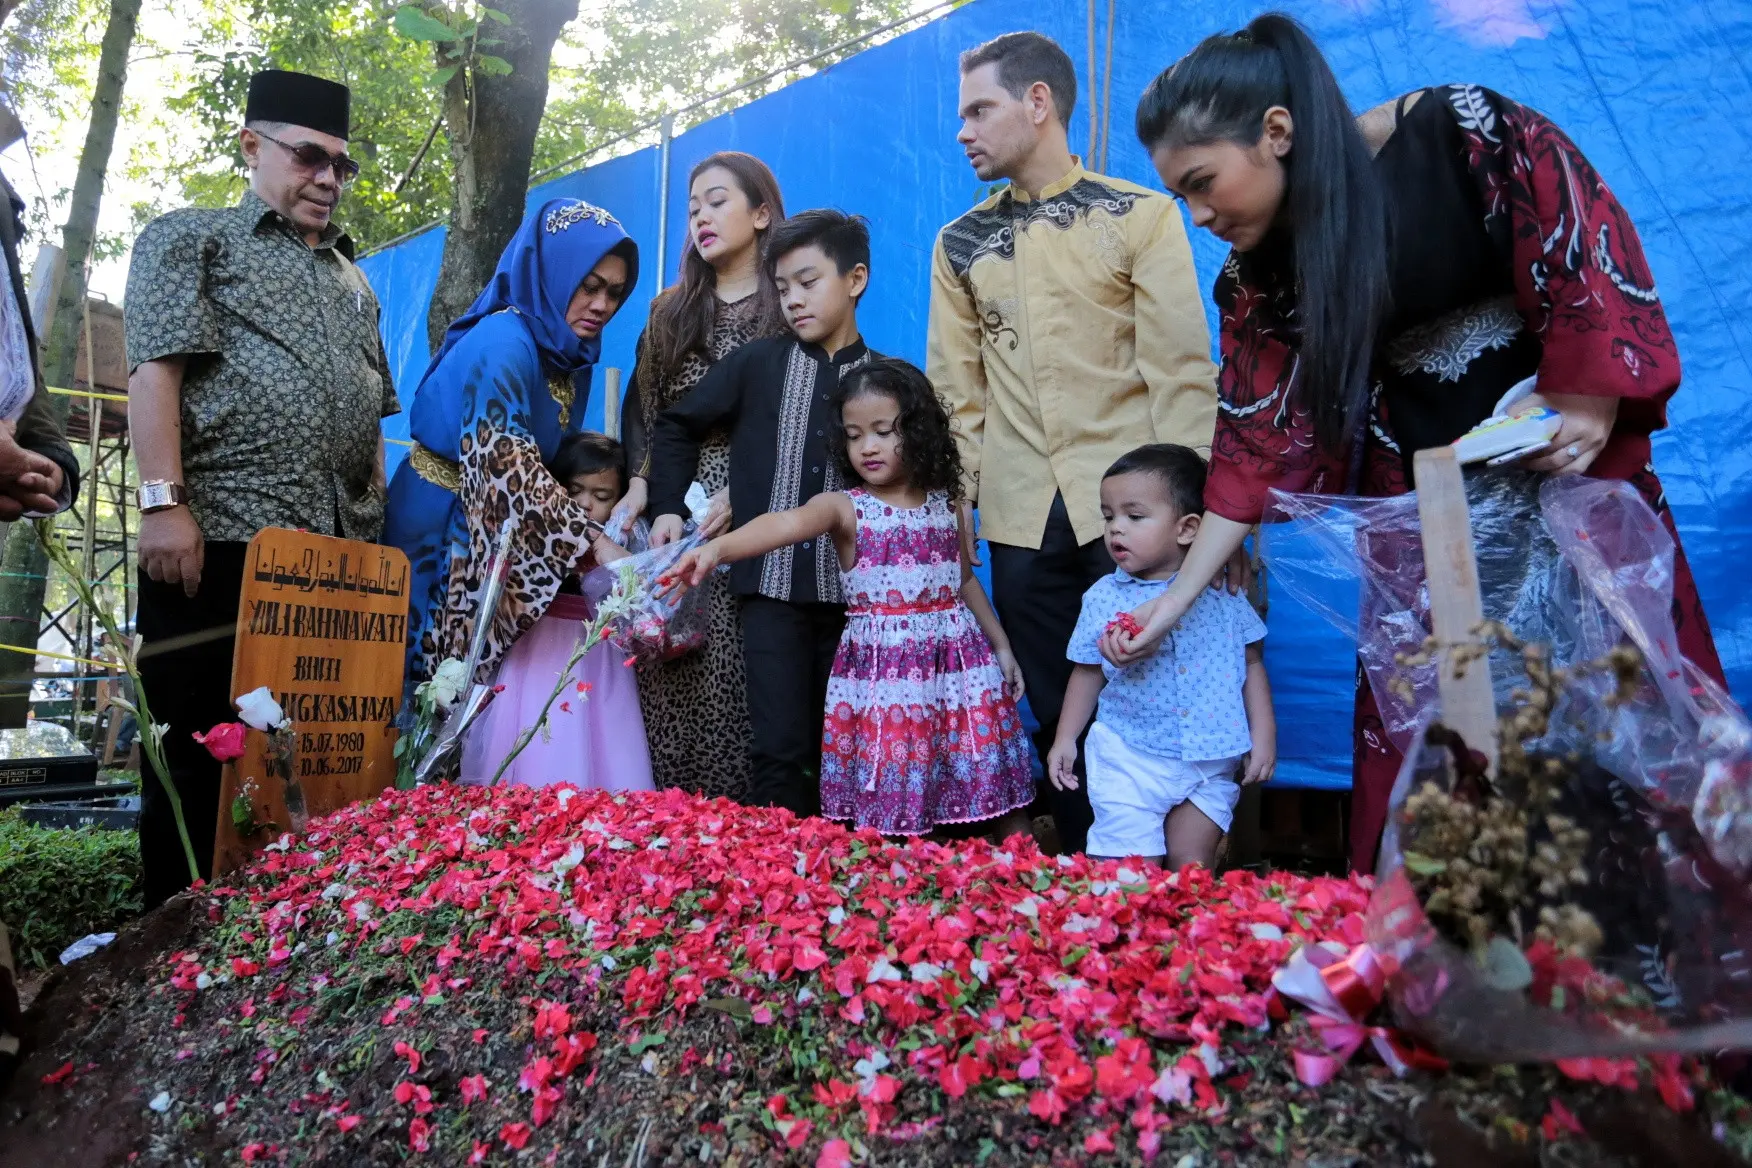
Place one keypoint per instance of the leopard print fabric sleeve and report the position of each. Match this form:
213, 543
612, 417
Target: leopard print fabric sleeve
503, 477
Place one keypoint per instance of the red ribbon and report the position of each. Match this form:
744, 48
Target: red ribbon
1343, 987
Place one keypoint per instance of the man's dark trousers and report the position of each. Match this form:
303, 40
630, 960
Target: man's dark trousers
185, 671
1039, 594
787, 652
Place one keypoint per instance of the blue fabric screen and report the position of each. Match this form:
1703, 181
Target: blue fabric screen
1643, 88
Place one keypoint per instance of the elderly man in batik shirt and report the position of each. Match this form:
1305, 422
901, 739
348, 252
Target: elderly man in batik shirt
259, 381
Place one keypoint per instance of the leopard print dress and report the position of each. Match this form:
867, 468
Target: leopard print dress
696, 707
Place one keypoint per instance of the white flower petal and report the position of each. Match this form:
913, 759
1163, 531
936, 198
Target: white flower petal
259, 710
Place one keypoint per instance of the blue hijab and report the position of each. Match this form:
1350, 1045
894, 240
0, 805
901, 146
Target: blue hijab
552, 252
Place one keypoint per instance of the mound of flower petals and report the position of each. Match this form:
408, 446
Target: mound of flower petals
940, 969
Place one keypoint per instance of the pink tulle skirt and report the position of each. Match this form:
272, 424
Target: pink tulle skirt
594, 738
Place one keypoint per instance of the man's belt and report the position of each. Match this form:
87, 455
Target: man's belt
436, 469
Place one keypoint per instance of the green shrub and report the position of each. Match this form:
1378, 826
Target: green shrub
58, 885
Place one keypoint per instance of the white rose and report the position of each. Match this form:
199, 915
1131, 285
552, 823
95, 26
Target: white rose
448, 683
259, 709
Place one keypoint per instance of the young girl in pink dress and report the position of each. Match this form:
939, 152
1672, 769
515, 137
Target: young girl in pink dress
921, 725
594, 737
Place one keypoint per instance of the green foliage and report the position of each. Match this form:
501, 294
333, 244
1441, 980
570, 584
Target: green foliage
619, 65
48, 59
352, 42
628, 60
58, 885
456, 38
417, 26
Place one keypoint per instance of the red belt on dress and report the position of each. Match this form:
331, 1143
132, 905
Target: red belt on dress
910, 609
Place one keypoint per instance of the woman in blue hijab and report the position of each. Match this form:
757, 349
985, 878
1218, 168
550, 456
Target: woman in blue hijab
490, 411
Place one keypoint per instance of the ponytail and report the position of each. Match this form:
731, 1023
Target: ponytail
1332, 204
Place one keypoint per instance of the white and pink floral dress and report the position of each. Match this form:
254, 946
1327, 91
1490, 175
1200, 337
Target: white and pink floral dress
919, 729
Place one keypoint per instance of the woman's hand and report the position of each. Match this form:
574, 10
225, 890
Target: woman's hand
1123, 648
1237, 574
1012, 673
717, 515
631, 506
667, 529
1587, 423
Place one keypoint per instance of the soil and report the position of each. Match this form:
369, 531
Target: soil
695, 1094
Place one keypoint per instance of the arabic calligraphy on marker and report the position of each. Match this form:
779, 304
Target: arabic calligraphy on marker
315, 573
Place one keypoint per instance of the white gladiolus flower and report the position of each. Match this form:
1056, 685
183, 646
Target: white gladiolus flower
260, 711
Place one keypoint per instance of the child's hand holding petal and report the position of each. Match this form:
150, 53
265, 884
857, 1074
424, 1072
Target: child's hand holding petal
1061, 764
674, 583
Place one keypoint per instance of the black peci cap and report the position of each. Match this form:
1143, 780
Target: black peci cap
298, 99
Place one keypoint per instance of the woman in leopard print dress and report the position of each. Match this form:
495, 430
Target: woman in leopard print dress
696, 707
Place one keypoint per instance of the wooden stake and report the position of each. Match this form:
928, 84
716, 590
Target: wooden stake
1456, 605
611, 403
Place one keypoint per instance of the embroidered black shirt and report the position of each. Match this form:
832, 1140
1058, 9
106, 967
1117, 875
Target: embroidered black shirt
776, 397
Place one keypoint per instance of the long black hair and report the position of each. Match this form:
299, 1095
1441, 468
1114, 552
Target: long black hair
683, 314
1332, 205
928, 453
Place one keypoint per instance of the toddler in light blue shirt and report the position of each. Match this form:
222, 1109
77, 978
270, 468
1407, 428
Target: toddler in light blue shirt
1172, 730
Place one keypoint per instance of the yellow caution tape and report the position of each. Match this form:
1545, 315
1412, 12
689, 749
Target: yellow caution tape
121, 397
59, 657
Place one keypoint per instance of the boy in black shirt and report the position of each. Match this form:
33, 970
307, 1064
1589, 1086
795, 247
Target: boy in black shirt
777, 396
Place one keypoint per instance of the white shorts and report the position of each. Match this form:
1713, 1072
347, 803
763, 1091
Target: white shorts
1133, 792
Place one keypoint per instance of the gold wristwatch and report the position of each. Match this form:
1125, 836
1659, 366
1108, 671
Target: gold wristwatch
160, 495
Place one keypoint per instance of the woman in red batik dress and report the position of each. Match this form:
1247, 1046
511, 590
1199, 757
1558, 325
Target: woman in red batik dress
1391, 278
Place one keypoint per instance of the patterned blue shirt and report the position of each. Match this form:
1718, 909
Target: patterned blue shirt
1184, 700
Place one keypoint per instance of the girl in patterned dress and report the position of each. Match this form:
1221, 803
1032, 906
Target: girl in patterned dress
921, 724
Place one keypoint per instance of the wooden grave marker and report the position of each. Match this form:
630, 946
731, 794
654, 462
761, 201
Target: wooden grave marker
323, 624
1456, 605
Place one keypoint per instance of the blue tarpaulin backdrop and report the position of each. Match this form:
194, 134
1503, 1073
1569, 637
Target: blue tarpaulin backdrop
1647, 89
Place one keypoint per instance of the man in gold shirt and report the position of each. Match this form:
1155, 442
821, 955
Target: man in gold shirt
1066, 329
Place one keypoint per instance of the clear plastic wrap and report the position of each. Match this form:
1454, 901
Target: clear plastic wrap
1596, 902
642, 623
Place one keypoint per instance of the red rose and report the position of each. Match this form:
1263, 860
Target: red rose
224, 741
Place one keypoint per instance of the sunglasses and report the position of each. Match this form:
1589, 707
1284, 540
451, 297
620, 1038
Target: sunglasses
316, 160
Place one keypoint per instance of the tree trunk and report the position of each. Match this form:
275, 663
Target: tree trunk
492, 140
24, 565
